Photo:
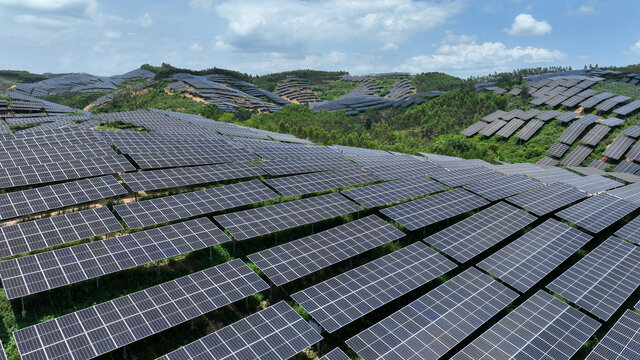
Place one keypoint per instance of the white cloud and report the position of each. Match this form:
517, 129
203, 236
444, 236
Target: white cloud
40, 21
274, 25
389, 47
195, 47
525, 24
635, 48
113, 35
472, 57
144, 20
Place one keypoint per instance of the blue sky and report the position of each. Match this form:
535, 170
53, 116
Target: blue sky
459, 37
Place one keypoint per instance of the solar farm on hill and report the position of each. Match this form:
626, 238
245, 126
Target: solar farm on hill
176, 214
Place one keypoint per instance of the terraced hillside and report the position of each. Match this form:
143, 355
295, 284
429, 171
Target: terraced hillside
154, 233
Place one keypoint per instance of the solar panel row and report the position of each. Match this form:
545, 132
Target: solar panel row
322, 181
110, 325
48, 270
390, 192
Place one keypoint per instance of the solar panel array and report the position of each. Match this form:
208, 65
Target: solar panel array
32, 201
511, 127
394, 171
618, 147
546, 199
568, 116
601, 281
110, 325
621, 342
629, 192
570, 135
340, 300
436, 322
299, 166
634, 153
531, 257
492, 127
335, 354
269, 219
593, 184
631, 231
543, 327
390, 192
529, 130
48, 270
67, 170
632, 131
596, 134
277, 333
474, 128
169, 208
47, 232
558, 149
577, 156
293, 260
472, 236
465, 176
502, 187
171, 178
597, 213
317, 182
435, 208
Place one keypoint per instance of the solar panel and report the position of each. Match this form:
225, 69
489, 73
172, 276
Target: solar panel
631, 231
460, 177
340, 300
543, 327
169, 208
628, 192
618, 147
547, 161
404, 171
577, 156
171, 178
67, 170
51, 231
510, 128
38, 156
529, 130
634, 153
45, 198
491, 128
558, 149
531, 257
3, 355
546, 199
628, 108
269, 219
601, 281
110, 325
596, 134
335, 354
494, 115
573, 101
472, 236
436, 322
598, 212
299, 166
612, 122
474, 128
568, 116
293, 260
317, 182
548, 115
432, 209
572, 132
628, 167
45, 271
390, 192
621, 342
632, 131
277, 333
502, 187
599, 164
592, 184
176, 159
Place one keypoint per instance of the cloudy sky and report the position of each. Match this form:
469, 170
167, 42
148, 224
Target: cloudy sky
459, 37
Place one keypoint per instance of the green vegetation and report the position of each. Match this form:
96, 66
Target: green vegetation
75, 100
619, 88
505, 79
331, 90
23, 76
431, 81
